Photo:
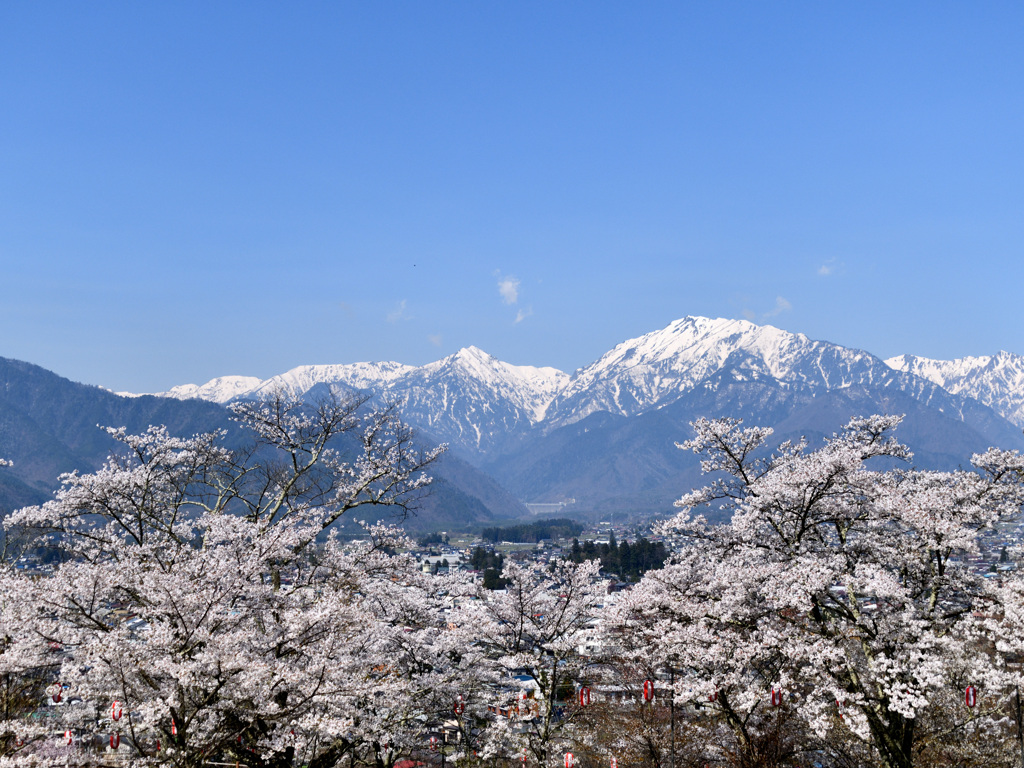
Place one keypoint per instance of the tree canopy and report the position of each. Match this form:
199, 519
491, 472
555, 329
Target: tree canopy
199, 607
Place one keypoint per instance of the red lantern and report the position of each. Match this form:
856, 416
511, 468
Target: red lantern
55, 691
648, 690
614, 763
174, 727
776, 697
570, 761
115, 711
19, 742
158, 745
585, 697
713, 696
460, 705
115, 740
433, 743
971, 696
521, 759
68, 738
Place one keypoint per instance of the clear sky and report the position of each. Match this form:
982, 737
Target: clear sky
194, 190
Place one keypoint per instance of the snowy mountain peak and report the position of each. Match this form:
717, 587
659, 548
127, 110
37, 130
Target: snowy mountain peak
221, 390
526, 389
469, 359
709, 340
659, 367
298, 381
469, 397
480, 403
484, 367
473, 353
995, 380
295, 382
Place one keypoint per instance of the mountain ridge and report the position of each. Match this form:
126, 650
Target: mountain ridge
50, 425
605, 435
995, 380
482, 404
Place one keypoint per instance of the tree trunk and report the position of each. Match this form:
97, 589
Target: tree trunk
893, 740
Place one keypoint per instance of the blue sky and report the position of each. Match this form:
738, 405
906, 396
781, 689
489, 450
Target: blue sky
193, 190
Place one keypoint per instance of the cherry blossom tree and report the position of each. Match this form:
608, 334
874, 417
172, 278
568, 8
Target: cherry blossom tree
203, 605
839, 596
1006, 624
199, 609
26, 667
531, 633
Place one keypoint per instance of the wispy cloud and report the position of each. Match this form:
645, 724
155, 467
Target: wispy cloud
830, 267
508, 287
781, 305
435, 339
398, 313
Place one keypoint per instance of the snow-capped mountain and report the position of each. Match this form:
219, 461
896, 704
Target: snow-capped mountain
221, 390
48, 426
654, 370
609, 439
606, 435
483, 406
470, 398
295, 382
353, 376
995, 380
473, 399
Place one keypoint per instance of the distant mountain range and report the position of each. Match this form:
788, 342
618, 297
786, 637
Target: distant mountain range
470, 399
996, 381
49, 425
602, 439
482, 405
